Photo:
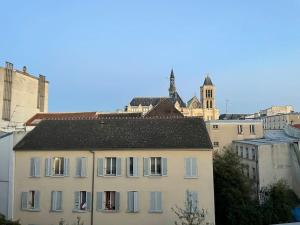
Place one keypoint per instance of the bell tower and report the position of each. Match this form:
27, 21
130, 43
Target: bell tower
172, 88
207, 94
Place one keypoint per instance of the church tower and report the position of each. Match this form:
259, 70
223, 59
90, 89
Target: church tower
172, 88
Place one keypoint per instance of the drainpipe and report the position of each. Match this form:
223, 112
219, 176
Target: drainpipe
93, 189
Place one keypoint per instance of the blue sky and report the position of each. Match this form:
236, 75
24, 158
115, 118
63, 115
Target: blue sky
97, 55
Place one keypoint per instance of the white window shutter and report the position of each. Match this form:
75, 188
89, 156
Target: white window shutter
78, 167
158, 201
187, 166
146, 166
135, 201
118, 166
48, 167
195, 199
128, 166
32, 174
77, 200
88, 201
37, 200
117, 201
135, 167
37, 166
66, 166
59, 200
53, 200
100, 167
164, 167
83, 167
194, 167
152, 201
130, 201
100, 202
24, 200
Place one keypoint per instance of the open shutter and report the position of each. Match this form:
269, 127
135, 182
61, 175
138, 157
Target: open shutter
100, 167
48, 167
187, 165
78, 167
88, 201
83, 167
152, 201
53, 200
59, 200
158, 201
117, 201
66, 166
130, 201
32, 174
37, 166
164, 167
24, 200
118, 167
194, 167
146, 166
135, 201
194, 200
128, 167
77, 200
99, 205
135, 167
37, 200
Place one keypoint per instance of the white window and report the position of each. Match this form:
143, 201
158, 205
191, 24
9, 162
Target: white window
132, 201
35, 167
240, 129
253, 154
30, 200
132, 166
254, 172
82, 201
108, 201
191, 168
192, 201
56, 201
155, 202
57, 166
155, 166
109, 166
252, 129
241, 151
81, 164
247, 153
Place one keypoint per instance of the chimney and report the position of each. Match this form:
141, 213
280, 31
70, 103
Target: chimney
24, 69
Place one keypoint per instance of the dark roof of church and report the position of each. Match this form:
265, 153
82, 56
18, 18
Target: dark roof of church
119, 115
133, 133
146, 101
164, 108
233, 116
208, 81
177, 98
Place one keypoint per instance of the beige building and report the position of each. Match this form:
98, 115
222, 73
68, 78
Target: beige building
22, 95
280, 121
223, 132
275, 110
113, 171
205, 107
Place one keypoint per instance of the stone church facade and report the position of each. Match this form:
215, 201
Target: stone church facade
204, 107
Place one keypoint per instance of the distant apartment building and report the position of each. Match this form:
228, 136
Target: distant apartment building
223, 132
275, 110
280, 121
22, 95
128, 171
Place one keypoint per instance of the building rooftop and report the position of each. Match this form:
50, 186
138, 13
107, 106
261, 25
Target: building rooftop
263, 141
233, 116
248, 121
4, 134
146, 101
133, 133
207, 81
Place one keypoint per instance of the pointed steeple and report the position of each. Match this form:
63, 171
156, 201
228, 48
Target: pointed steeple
207, 81
172, 88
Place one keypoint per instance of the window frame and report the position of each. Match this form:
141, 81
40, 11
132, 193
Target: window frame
156, 166
61, 166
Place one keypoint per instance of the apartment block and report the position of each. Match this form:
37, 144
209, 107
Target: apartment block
280, 121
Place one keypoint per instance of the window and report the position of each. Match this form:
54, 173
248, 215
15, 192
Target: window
215, 126
155, 166
240, 129
132, 166
247, 153
237, 150
108, 201
191, 168
254, 173
82, 201
57, 166
30, 200
253, 154
132, 201
81, 164
155, 202
35, 167
216, 144
241, 151
56, 201
192, 201
252, 129
247, 171
109, 166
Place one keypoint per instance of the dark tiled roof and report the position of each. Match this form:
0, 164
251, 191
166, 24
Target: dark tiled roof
233, 116
164, 108
177, 98
33, 121
118, 115
146, 101
208, 81
151, 133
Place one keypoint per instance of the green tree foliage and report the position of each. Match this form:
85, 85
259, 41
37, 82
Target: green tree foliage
3, 221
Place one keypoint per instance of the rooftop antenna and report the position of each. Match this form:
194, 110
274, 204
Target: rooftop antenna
226, 102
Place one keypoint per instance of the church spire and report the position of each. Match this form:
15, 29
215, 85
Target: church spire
172, 88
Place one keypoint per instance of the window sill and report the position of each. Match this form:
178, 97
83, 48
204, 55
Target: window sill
80, 177
58, 176
31, 210
34, 176
192, 177
107, 211
156, 212
133, 176
56, 211
79, 211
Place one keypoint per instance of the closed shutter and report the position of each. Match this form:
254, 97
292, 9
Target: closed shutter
100, 167
135, 167
117, 201
66, 167
53, 200
158, 201
59, 199
100, 202
24, 200
88, 201
48, 167
77, 200
118, 167
187, 166
164, 167
146, 166
135, 201
37, 166
78, 167
83, 167
194, 167
194, 200
32, 174
128, 167
130, 201
152, 201
37, 200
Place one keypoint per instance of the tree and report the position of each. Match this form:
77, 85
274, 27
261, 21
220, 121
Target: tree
190, 214
3, 221
233, 202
